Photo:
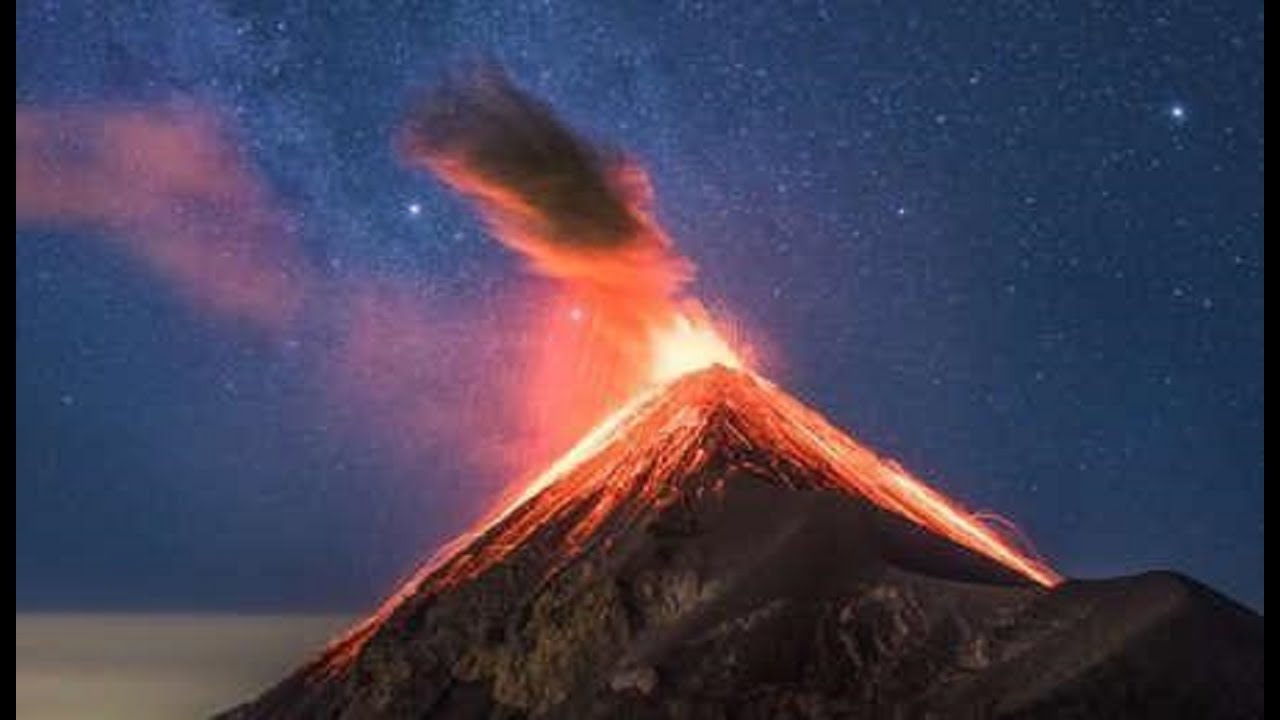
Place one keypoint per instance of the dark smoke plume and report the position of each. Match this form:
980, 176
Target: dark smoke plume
578, 211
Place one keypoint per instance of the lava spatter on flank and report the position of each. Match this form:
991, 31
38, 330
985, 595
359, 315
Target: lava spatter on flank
678, 442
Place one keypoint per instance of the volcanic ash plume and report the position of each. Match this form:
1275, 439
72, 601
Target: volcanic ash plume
581, 215
577, 211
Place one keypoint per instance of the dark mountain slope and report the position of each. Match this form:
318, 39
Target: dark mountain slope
719, 551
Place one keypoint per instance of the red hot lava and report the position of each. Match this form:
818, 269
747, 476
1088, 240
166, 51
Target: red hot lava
656, 449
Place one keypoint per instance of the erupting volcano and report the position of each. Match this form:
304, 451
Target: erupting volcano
713, 548
718, 550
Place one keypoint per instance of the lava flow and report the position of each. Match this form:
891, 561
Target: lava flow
645, 455
671, 442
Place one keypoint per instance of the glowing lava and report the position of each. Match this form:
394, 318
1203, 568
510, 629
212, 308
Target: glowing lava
690, 342
677, 441
646, 452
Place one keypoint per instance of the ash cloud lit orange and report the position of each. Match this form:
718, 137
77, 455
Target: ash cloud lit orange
580, 214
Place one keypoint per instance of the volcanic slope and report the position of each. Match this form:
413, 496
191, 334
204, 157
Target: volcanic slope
717, 550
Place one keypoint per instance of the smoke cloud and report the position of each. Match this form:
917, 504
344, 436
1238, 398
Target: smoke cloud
580, 213
169, 185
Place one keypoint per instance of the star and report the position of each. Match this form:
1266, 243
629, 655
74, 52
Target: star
415, 209
1178, 112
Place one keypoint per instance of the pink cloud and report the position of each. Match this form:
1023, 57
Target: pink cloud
169, 186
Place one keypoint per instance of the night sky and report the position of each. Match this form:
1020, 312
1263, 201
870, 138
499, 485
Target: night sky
1016, 245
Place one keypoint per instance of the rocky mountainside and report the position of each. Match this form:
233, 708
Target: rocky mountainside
717, 550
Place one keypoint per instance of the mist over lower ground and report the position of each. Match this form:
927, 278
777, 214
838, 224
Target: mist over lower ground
145, 666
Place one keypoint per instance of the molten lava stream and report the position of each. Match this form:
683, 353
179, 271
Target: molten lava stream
625, 461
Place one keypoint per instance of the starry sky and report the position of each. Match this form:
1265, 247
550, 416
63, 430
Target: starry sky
1017, 246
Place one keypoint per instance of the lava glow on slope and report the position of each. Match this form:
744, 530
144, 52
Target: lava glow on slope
657, 437
651, 452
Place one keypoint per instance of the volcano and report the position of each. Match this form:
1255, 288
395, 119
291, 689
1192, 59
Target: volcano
718, 550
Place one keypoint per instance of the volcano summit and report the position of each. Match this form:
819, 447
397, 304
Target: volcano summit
717, 550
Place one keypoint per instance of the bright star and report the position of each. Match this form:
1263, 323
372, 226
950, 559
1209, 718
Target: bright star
1178, 112
415, 209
